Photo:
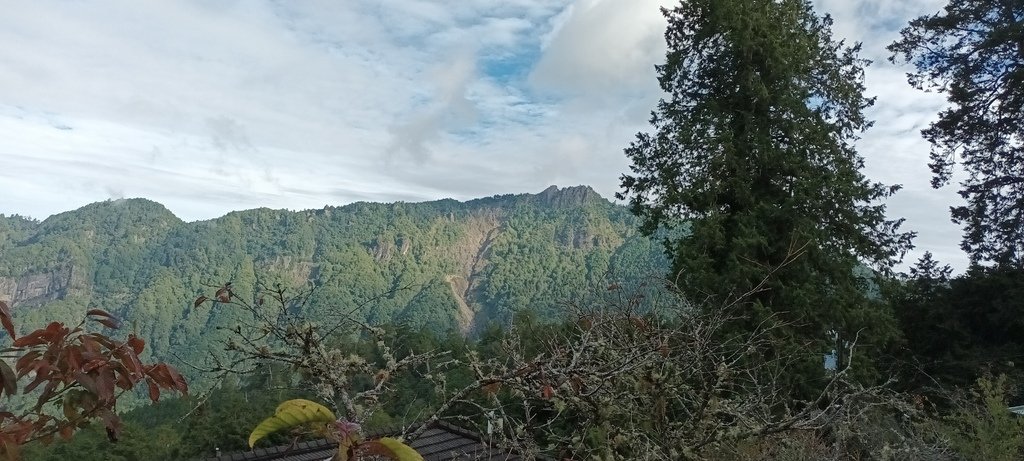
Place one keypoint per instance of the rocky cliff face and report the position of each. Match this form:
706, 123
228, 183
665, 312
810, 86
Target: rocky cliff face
471, 253
36, 289
568, 197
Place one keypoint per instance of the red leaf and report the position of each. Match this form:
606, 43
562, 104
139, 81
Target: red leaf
124, 378
42, 374
100, 312
491, 389
74, 358
154, 390
57, 331
199, 301
89, 344
130, 360
69, 403
14, 436
224, 294
66, 432
24, 361
105, 383
93, 364
8, 382
112, 423
109, 323
167, 377
32, 339
106, 318
48, 390
158, 372
178, 380
5, 319
105, 341
136, 343
576, 383
32, 366
547, 391
87, 382
53, 333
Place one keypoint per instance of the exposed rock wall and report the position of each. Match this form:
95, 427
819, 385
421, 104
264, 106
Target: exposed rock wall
471, 253
568, 197
35, 289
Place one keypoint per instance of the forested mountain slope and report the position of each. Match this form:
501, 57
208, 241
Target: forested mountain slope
446, 264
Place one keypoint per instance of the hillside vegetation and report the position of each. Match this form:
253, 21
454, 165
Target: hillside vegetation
443, 265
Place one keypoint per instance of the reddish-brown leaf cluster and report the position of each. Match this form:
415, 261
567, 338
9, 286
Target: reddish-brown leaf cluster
223, 295
83, 372
5, 318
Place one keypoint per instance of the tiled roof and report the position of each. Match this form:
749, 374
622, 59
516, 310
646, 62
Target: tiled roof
441, 442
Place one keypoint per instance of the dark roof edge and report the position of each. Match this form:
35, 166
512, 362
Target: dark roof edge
276, 452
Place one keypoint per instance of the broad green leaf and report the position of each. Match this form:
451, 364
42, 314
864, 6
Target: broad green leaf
391, 448
289, 414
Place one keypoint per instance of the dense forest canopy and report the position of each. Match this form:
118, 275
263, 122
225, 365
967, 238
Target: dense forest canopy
443, 265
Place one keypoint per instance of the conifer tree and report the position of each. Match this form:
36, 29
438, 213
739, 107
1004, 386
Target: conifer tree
973, 51
751, 161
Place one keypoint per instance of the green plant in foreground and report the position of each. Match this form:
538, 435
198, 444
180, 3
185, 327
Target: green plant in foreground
984, 428
351, 446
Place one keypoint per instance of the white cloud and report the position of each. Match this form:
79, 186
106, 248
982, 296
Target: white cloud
448, 109
598, 47
213, 106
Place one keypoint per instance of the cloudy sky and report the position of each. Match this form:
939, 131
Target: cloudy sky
212, 106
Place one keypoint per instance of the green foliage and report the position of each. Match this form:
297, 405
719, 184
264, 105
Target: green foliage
972, 52
752, 174
290, 414
14, 229
957, 328
983, 427
441, 266
137, 442
296, 413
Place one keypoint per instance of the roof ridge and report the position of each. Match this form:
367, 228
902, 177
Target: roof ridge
275, 452
296, 450
475, 436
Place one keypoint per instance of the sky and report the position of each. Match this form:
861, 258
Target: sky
213, 106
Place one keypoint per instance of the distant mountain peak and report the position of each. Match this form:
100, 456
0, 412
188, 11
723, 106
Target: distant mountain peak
134, 203
569, 196
110, 218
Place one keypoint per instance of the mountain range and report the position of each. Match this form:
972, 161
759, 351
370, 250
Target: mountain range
443, 265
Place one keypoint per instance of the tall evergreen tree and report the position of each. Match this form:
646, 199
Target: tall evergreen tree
752, 159
973, 51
